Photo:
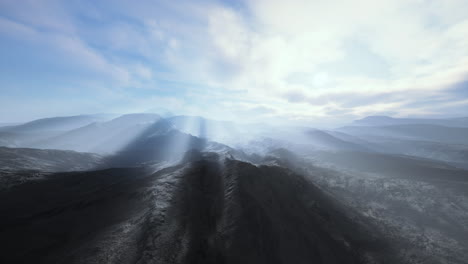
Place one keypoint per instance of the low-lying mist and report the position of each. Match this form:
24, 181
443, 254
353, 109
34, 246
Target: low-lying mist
142, 188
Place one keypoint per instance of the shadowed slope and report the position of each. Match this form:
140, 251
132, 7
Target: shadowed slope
46, 159
204, 211
238, 213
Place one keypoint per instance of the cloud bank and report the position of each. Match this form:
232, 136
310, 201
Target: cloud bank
296, 61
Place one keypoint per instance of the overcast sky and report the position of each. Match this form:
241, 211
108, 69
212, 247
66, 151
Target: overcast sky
303, 61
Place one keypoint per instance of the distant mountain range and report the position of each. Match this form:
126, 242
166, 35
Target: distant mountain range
427, 138
101, 137
56, 123
143, 188
388, 121
424, 132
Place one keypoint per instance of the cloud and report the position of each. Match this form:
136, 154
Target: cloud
290, 47
301, 60
70, 51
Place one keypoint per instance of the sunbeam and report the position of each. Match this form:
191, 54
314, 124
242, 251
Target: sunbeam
226, 132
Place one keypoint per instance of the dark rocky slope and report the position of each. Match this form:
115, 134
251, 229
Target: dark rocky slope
203, 211
47, 159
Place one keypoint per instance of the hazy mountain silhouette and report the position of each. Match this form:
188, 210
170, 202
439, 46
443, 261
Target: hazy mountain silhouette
436, 133
386, 121
176, 191
28, 134
205, 128
102, 137
55, 124
324, 140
